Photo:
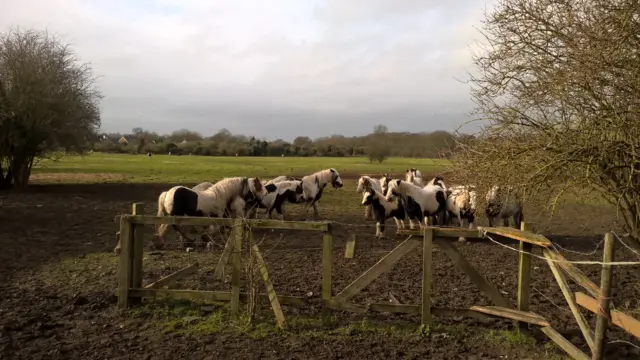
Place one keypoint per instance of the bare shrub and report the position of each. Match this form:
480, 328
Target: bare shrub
557, 86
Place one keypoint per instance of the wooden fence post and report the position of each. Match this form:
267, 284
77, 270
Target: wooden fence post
524, 276
427, 245
125, 264
138, 250
327, 260
603, 301
238, 232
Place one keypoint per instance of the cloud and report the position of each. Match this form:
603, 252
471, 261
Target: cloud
270, 69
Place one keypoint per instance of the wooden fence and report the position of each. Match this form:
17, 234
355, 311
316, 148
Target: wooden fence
130, 288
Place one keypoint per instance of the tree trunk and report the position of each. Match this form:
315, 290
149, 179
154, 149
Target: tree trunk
6, 178
22, 171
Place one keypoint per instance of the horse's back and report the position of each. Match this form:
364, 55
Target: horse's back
185, 203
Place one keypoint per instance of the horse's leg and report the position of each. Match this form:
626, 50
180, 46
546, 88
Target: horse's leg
505, 221
281, 211
367, 212
316, 215
412, 224
517, 219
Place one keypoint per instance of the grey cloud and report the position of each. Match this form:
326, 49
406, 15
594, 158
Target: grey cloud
357, 64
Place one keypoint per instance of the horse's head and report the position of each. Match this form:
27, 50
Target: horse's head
256, 187
384, 182
409, 175
363, 184
393, 188
367, 197
438, 181
336, 181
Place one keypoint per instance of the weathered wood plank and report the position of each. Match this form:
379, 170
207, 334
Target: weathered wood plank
513, 314
138, 249
165, 281
445, 232
273, 298
238, 232
327, 264
345, 306
376, 270
568, 295
519, 235
224, 258
626, 322
473, 274
200, 295
602, 321
575, 274
524, 275
125, 263
416, 310
206, 221
427, 272
350, 247
564, 344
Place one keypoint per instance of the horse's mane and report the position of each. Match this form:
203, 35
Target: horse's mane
226, 188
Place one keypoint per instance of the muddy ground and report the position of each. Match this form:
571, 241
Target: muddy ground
58, 274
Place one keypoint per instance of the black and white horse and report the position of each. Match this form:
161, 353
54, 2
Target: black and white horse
431, 201
383, 209
277, 194
364, 183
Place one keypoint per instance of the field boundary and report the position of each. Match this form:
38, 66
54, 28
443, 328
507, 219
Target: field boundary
130, 289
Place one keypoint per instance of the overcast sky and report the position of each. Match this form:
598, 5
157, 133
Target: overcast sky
272, 69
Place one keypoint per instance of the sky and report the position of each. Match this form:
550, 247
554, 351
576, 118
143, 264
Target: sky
270, 69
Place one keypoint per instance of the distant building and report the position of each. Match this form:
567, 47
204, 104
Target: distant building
123, 141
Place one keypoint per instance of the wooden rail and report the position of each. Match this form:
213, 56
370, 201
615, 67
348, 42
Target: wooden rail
130, 288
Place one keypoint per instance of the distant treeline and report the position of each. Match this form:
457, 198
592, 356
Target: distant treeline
378, 145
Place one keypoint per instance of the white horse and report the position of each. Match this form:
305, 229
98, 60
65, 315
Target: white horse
462, 204
414, 176
503, 205
428, 202
364, 183
313, 185
202, 186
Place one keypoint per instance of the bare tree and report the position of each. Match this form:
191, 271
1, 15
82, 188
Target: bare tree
558, 87
379, 147
47, 102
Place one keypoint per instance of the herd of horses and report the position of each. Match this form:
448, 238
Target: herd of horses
410, 198
432, 202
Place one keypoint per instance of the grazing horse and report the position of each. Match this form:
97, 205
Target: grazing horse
364, 183
313, 185
503, 204
430, 201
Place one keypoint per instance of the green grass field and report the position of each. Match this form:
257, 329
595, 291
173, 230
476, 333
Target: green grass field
101, 167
